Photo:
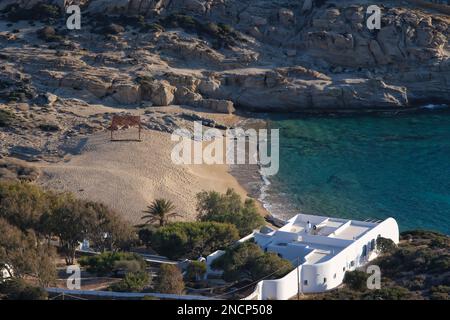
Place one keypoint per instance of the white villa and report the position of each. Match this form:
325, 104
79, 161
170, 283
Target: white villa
321, 248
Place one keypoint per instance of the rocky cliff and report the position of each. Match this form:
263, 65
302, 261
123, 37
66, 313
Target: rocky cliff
265, 55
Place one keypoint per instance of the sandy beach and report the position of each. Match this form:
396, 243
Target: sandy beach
128, 175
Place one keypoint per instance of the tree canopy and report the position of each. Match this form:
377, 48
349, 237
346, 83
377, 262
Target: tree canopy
21, 254
45, 213
160, 211
229, 208
248, 262
109, 262
169, 280
192, 239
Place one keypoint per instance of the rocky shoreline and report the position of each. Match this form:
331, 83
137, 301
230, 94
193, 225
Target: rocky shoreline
268, 57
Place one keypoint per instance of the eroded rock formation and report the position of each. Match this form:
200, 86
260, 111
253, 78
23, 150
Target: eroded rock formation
270, 55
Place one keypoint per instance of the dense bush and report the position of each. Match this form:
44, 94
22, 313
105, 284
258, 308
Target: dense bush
109, 262
223, 34
49, 127
196, 270
385, 246
23, 254
389, 293
428, 238
7, 117
74, 221
49, 34
192, 239
248, 262
169, 280
112, 29
423, 260
28, 207
229, 208
133, 282
152, 27
23, 204
356, 280
440, 293
40, 11
18, 289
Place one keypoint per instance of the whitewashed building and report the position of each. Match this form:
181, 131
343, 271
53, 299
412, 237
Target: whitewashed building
5, 273
321, 248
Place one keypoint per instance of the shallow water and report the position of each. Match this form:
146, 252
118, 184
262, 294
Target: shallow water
365, 167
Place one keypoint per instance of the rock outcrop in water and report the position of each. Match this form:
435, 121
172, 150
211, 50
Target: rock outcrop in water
264, 55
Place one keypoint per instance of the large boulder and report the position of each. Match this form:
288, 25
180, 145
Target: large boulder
286, 17
95, 85
222, 106
209, 86
159, 92
186, 96
126, 93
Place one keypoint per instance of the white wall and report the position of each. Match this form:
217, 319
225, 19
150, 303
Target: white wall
286, 287
4, 274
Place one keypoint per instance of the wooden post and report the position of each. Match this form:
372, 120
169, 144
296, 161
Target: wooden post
139, 128
298, 278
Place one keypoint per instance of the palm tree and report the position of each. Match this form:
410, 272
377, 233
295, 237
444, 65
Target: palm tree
160, 210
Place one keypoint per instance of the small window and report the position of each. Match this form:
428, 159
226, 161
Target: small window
305, 282
324, 280
343, 269
334, 277
352, 263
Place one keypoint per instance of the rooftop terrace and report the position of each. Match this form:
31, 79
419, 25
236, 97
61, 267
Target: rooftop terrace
313, 239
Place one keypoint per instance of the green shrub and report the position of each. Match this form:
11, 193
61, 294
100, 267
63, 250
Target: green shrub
225, 28
16, 96
247, 261
49, 34
356, 280
169, 280
7, 118
109, 262
192, 239
222, 34
112, 29
196, 270
389, 293
153, 27
133, 282
40, 11
18, 289
145, 234
23, 204
49, 127
440, 293
385, 246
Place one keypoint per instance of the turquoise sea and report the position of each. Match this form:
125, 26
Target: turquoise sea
365, 167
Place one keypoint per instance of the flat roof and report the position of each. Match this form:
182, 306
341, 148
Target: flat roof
307, 236
351, 232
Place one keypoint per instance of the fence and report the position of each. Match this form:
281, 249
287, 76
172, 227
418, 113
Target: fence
124, 295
